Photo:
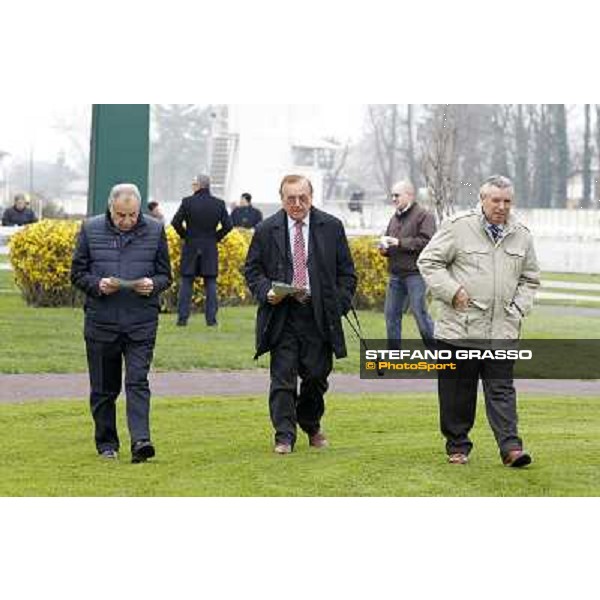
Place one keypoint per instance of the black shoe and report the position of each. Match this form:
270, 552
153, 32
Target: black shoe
181, 323
109, 454
212, 324
141, 451
517, 459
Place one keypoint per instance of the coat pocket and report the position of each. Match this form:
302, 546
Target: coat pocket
512, 323
513, 260
478, 320
474, 258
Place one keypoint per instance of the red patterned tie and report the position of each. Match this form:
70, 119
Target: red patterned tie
300, 271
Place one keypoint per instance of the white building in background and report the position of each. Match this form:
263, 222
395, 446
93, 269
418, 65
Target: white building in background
5, 199
255, 145
74, 198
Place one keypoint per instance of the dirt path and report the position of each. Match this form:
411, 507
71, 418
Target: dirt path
26, 388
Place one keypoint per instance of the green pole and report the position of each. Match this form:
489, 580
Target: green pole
119, 153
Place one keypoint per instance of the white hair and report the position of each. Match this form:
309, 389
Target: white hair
498, 181
121, 189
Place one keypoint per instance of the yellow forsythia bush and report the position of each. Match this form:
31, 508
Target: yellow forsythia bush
231, 284
371, 269
41, 257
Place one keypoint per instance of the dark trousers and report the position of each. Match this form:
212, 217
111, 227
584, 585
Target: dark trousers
211, 304
301, 352
458, 403
105, 360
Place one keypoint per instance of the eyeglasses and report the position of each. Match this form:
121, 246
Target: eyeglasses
293, 200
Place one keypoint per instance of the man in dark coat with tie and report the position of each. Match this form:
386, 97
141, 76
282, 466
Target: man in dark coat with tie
307, 248
202, 222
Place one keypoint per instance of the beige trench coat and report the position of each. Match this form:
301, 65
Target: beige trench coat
501, 279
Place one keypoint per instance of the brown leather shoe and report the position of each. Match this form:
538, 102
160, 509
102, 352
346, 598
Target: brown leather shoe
517, 459
458, 458
282, 448
318, 441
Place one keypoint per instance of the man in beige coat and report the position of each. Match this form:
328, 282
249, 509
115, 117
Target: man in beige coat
482, 267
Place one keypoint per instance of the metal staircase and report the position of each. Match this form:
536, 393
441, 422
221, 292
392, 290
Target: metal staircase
224, 146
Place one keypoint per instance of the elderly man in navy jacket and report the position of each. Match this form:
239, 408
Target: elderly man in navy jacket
122, 264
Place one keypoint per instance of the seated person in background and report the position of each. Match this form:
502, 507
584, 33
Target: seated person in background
155, 211
19, 214
245, 215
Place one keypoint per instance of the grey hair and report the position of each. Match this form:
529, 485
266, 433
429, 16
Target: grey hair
203, 181
124, 188
498, 181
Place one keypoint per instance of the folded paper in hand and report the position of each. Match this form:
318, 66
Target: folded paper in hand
127, 284
386, 241
285, 289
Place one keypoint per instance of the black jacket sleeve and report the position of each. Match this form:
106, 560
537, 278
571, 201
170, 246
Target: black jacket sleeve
346, 279
178, 220
254, 270
226, 224
81, 276
163, 276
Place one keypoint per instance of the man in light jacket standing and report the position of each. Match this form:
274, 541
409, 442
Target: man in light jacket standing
482, 267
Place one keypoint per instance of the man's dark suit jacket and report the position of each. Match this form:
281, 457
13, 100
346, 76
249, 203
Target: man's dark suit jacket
331, 271
202, 214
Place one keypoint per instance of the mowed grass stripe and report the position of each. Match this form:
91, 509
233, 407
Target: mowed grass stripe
381, 446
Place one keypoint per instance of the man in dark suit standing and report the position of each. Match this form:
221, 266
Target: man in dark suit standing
197, 222
305, 247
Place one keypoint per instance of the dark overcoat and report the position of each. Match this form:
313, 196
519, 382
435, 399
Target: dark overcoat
196, 223
331, 272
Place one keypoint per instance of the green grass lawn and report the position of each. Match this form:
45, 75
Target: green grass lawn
572, 277
381, 446
50, 340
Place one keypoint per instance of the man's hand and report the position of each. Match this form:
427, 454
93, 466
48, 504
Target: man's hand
386, 242
461, 299
273, 298
108, 286
301, 297
144, 287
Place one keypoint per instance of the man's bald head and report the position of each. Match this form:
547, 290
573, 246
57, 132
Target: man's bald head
403, 194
